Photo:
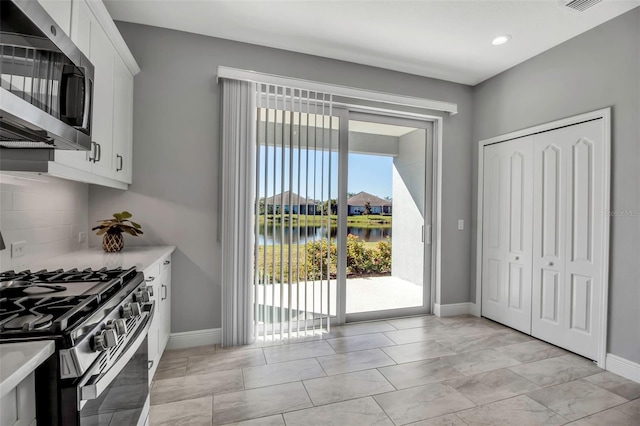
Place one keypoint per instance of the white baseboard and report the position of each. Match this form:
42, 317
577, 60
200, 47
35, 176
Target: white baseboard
453, 309
189, 339
623, 367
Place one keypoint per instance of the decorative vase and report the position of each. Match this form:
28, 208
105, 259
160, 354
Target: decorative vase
112, 243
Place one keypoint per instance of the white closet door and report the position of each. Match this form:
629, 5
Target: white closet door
549, 225
507, 233
568, 248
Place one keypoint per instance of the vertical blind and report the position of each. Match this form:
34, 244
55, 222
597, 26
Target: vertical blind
295, 212
237, 193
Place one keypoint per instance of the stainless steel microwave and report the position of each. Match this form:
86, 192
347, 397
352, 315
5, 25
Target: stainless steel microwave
46, 84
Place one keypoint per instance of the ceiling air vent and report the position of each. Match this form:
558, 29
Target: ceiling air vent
582, 5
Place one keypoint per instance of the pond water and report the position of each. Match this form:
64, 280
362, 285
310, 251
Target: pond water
317, 232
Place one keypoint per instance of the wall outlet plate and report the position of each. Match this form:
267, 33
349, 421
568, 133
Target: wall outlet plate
18, 248
82, 237
460, 224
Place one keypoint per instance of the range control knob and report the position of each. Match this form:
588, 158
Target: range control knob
131, 310
119, 325
142, 296
105, 340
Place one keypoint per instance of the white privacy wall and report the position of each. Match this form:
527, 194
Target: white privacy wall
407, 249
45, 212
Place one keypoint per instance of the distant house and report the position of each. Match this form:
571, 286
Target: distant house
357, 204
291, 203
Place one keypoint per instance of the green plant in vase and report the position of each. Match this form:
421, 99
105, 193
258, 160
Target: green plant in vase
112, 230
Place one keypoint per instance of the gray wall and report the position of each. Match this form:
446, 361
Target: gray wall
176, 141
597, 69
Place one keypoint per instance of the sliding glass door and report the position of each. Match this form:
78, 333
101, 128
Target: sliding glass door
387, 210
342, 200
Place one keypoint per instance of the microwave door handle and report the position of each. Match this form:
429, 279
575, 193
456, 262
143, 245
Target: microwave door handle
87, 100
94, 390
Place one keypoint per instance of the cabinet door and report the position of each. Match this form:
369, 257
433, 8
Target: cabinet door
103, 58
152, 278
82, 20
122, 121
60, 11
507, 233
165, 303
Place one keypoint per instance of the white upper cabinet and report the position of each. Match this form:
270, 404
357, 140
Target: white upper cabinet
109, 163
60, 11
122, 121
103, 59
81, 20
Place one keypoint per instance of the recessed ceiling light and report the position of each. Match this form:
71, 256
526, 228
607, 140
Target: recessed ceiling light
501, 40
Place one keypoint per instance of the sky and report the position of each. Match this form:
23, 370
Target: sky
369, 173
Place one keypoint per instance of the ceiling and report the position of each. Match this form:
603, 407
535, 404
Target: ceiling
449, 40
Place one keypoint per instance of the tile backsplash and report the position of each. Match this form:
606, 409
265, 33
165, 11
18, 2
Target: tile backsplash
45, 212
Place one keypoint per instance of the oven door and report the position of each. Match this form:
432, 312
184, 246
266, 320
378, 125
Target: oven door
119, 396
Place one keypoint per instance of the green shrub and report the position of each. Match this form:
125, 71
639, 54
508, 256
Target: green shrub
360, 259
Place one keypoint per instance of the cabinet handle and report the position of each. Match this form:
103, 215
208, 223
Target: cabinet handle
150, 279
94, 152
166, 262
550, 263
164, 287
119, 157
517, 257
149, 364
98, 153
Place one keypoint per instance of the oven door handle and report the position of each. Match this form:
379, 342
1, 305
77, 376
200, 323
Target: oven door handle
94, 390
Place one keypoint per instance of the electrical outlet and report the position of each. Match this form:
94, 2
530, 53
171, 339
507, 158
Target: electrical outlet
82, 237
460, 225
18, 248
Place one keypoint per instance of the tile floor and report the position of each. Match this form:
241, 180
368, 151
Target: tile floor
419, 371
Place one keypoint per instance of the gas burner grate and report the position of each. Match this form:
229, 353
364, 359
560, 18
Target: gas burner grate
23, 311
60, 275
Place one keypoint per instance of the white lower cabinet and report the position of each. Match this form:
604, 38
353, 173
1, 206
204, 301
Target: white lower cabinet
158, 276
165, 302
18, 406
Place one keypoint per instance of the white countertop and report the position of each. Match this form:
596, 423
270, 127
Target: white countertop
141, 257
18, 360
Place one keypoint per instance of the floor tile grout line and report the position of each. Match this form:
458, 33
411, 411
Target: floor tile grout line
575, 420
383, 410
455, 413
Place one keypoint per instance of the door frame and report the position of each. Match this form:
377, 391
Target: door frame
434, 193
605, 115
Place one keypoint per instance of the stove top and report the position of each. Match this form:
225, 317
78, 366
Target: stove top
50, 302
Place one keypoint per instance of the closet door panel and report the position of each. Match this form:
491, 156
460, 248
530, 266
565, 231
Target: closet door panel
585, 251
567, 245
507, 244
494, 237
549, 236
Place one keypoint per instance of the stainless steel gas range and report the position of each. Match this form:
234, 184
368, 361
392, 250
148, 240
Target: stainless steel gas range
99, 320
